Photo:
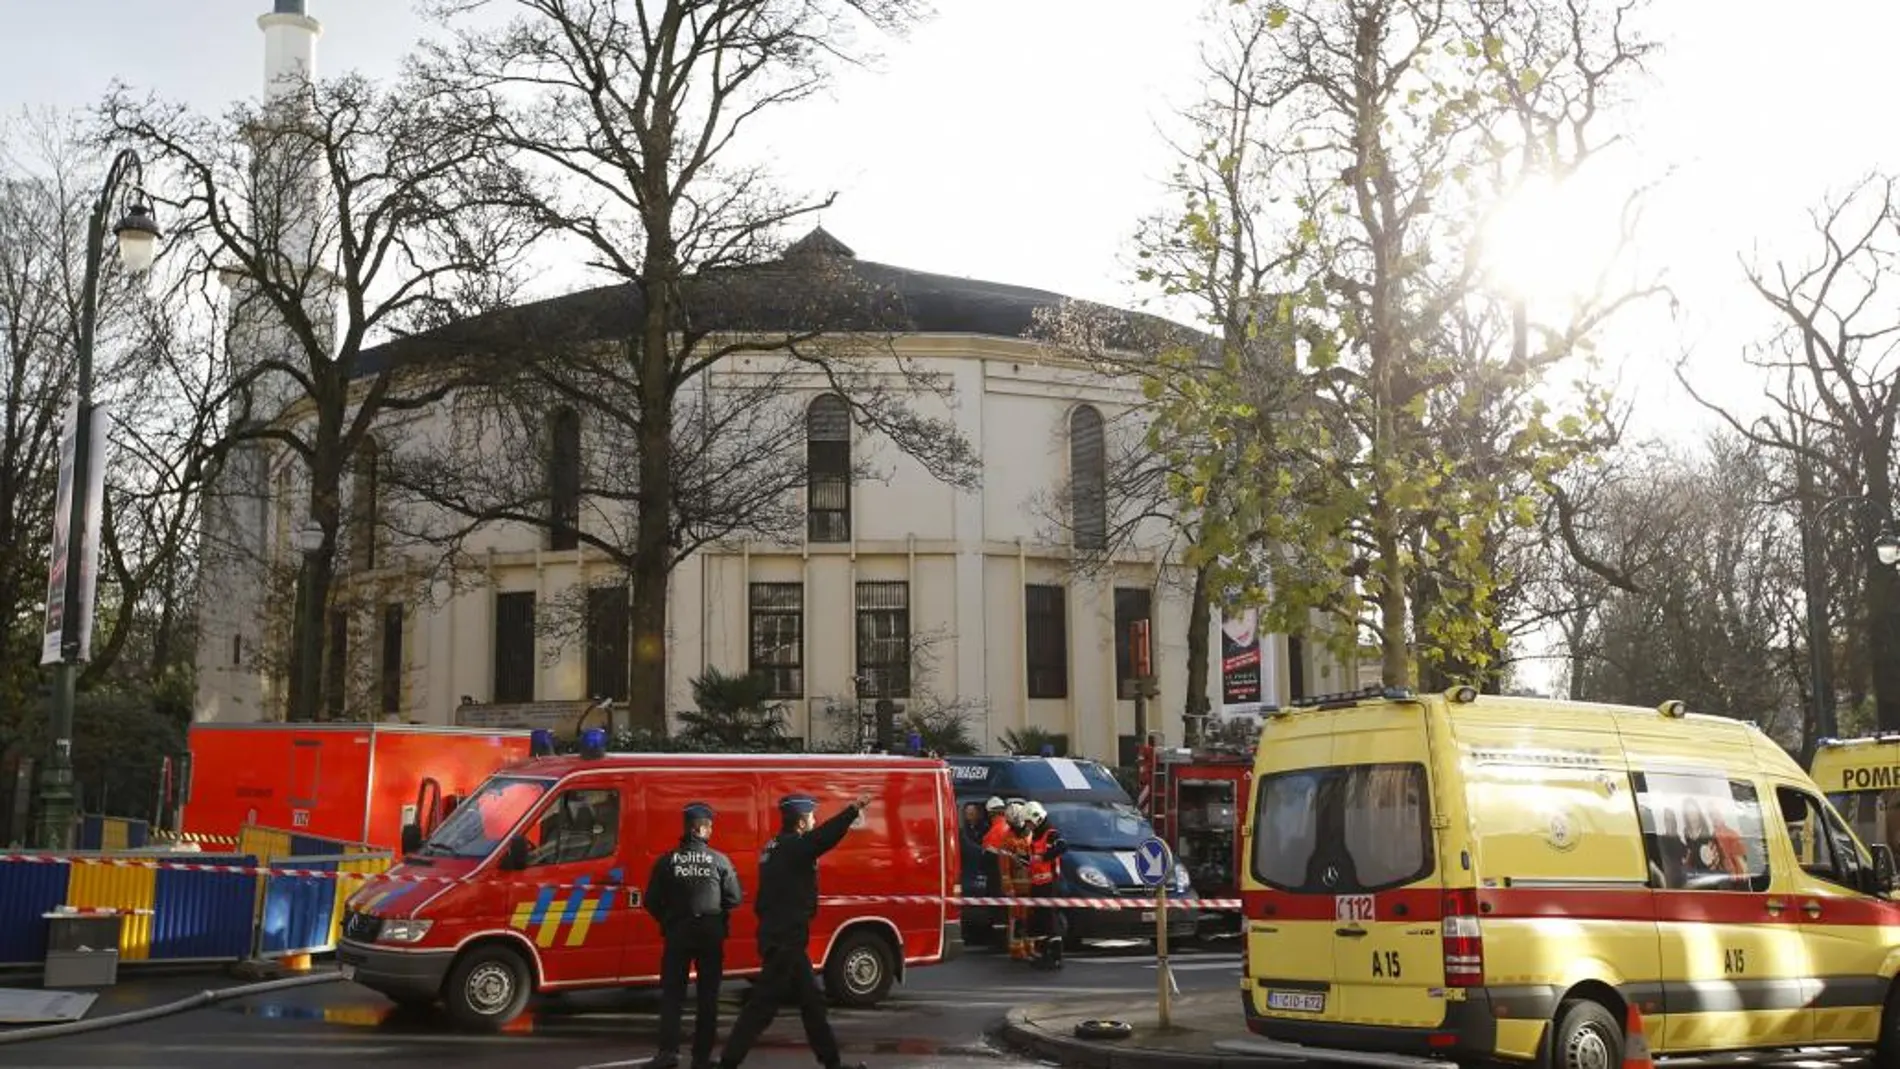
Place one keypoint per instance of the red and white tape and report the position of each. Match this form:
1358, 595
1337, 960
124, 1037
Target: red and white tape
1143, 903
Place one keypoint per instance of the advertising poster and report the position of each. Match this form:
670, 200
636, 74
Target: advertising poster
1242, 672
57, 619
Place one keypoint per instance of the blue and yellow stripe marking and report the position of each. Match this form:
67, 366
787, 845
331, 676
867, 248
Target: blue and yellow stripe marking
538, 914
602, 903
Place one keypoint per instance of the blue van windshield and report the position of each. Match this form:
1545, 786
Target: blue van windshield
1099, 825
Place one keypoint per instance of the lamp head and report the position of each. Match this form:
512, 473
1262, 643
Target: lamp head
1887, 548
138, 235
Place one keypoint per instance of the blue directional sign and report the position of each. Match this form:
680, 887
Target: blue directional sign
1152, 861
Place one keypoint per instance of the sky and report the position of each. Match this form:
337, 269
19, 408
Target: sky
1018, 140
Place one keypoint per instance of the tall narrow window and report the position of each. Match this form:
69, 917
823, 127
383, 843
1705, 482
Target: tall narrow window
1088, 479
1046, 629
1295, 667
828, 469
514, 646
365, 494
609, 645
884, 639
564, 479
777, 637
1131, 604
337, 668
392, 657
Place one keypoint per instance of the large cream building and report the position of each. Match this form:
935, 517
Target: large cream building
898, 585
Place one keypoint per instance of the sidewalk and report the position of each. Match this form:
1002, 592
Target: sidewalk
1199, 1022
144, 988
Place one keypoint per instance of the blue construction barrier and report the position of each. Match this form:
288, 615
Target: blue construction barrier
112, 833
203, 915
296, 912
28, 891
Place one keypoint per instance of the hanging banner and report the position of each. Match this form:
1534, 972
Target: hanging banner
1241, 673
72, 630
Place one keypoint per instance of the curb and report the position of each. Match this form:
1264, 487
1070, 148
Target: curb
1021, 1034
202, 998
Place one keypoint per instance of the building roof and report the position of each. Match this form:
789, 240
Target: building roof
818, 286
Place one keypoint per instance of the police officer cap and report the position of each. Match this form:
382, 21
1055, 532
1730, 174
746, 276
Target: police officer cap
698, 811
797, 805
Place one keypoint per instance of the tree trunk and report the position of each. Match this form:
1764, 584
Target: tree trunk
652, 554
1883, 614
316, 575
1200, 626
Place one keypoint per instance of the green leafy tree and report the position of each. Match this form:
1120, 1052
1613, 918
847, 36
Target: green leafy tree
1378, 415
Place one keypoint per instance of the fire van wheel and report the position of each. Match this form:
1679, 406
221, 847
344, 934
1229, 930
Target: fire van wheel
1588, 1037
488, 987
861, 969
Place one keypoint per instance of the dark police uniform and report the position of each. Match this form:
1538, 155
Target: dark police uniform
690, 891
787, 901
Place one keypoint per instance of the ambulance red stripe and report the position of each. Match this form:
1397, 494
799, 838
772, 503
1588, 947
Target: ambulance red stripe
1413, 905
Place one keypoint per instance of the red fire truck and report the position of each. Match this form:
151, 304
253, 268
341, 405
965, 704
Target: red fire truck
348, 781
1195, 798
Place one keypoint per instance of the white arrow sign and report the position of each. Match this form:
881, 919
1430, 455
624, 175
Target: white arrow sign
1152, 861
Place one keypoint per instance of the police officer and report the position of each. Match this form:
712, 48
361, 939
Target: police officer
690, 892
787, 901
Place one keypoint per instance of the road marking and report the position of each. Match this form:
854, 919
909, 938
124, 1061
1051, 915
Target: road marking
1198, 966
617, 1065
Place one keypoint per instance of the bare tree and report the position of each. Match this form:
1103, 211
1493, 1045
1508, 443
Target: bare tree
1712, 620
633, 119
1834, 393
339, 213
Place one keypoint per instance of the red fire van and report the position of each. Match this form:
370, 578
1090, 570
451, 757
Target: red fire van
479, 925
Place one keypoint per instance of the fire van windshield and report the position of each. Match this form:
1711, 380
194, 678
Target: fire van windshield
479, 824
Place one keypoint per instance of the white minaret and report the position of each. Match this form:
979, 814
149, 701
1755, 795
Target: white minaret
245, 533
290, 47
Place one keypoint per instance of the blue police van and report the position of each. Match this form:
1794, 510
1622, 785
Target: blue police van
1102, 826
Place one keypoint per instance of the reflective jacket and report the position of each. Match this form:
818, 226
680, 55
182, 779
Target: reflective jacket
1045, 849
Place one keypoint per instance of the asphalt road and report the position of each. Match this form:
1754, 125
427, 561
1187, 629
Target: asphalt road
938, 1019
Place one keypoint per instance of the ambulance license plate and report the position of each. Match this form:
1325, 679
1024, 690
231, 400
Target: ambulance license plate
1297, 1001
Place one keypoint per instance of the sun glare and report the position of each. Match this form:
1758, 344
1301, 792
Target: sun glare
1548, 245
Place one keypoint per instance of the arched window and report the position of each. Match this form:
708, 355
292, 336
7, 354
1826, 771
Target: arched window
365, 503
1088, 479
828, 469
564, 479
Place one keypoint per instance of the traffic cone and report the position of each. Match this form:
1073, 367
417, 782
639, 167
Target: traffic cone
1636, 1042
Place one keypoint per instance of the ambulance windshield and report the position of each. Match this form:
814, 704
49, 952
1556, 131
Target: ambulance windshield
479, 824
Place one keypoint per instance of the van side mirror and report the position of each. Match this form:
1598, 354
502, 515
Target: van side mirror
1883, 868
514, 856
411, 838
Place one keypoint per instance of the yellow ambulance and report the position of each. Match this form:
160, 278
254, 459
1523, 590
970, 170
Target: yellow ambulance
1862, 778
1466, 878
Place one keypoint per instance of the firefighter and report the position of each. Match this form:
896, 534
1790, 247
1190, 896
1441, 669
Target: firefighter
1046, 848
995, 830
1014, 856
787, 901
691, 892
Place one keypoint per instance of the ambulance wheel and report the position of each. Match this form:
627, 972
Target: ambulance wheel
488, 987
1588, 1037
861, 969
1887, 1054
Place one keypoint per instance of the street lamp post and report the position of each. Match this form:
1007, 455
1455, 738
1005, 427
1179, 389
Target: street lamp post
137, 233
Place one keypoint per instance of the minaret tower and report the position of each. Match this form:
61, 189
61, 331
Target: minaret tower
246, 534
